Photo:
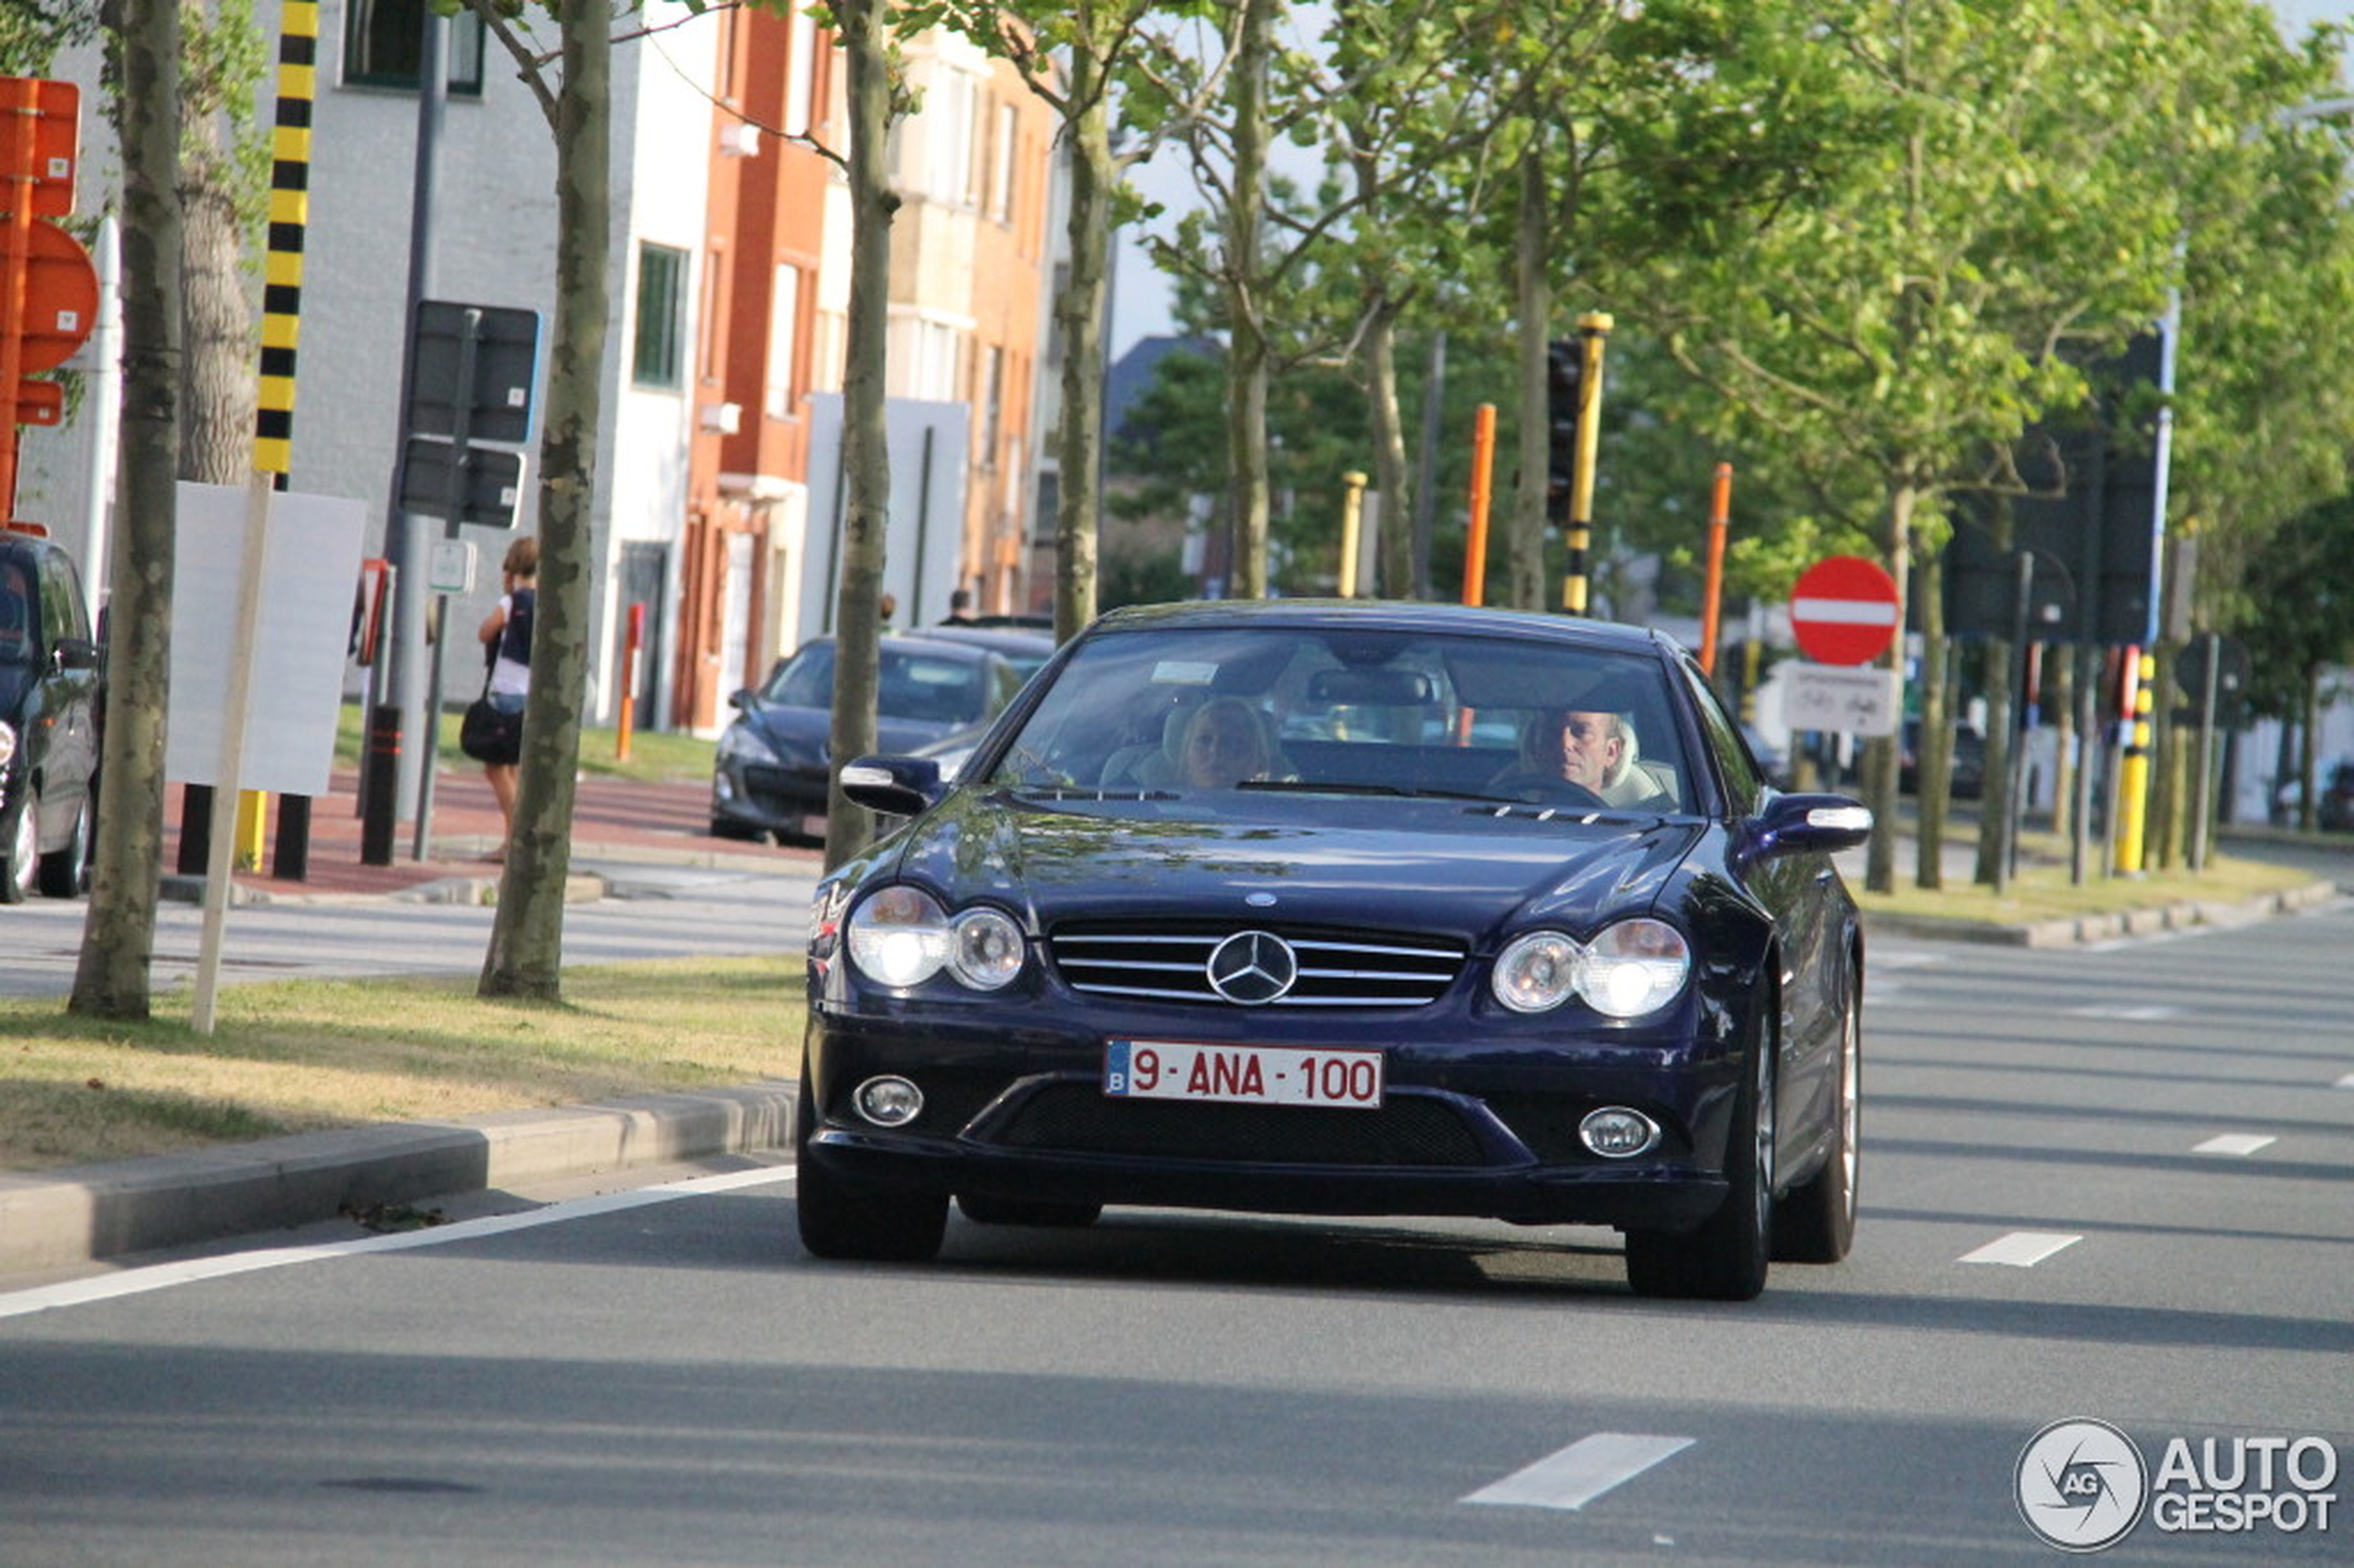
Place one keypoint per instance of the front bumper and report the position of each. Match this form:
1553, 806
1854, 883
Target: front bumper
770, 798
1470, 1126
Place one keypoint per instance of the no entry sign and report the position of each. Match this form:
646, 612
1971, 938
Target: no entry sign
1843, 610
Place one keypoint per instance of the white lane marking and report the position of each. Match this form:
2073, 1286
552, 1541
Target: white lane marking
2347, 1082
2147, 1012
2022, 1249
164, 1276
1579, 1474
2236, 1144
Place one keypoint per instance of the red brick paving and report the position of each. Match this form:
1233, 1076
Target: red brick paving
616, 819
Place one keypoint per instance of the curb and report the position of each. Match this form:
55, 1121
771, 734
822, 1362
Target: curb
580, 887
99, 1211
2075, 931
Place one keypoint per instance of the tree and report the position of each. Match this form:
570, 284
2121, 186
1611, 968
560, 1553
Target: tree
1913, 313
117, 935
223, 184
526, 956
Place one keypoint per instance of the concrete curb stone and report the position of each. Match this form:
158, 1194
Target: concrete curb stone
87, 1213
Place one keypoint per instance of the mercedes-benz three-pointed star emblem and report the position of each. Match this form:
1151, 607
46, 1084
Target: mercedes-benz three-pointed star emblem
1253, 967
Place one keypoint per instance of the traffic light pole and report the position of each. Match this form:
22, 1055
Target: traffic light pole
1593, 328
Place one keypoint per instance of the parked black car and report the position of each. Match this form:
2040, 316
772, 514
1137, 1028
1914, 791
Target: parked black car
52, 704
770, 774
1292, 906
1969, 761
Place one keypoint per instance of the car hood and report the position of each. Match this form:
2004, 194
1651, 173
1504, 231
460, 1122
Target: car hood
801, 737
1460, 869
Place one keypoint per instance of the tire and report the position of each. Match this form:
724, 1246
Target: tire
65, 873
983, 1210
23, 869
1725, 1257
848, 1223
1816, 1223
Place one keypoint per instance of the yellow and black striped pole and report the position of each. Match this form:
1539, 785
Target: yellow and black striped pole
1593, 327
2133, 769
280, 334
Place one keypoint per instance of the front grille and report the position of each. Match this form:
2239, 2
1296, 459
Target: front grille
1337, 968
1079, 1118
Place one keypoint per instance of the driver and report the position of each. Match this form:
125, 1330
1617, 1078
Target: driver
1593, 750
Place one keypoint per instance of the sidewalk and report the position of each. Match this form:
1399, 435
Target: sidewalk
624, 819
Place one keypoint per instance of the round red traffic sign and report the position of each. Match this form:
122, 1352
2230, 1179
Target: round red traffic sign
1843, 610
60, 298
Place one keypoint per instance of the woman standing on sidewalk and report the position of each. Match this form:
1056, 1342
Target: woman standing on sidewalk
506, 641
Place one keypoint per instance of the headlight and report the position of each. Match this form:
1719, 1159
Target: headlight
7, 743
1633, 967
901, 937
742, 744
987, 950
1536, 971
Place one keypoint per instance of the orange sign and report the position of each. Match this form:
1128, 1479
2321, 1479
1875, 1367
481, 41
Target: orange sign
40, 402
61, 297
56, 119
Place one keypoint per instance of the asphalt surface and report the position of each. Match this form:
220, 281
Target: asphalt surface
78, 1217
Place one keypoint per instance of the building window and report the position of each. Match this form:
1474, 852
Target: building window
993, 402
784, 320
662, 299
1001, 169
384, 43
801, 68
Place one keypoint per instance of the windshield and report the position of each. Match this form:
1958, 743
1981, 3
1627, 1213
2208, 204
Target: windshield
1359, 712
933, 686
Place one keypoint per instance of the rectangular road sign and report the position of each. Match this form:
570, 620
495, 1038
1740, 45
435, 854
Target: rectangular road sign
493, 489
1850, 698
503, 344
53, 109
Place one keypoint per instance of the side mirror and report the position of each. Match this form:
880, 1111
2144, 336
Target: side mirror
1805, 824
743, 699
76, 654
895, 786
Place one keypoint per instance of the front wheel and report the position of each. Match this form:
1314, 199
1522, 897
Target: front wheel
23, 867
850, 1223
1816, 1223
1725, 1257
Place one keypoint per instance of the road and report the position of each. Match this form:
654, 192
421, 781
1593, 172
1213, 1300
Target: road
651, 911
2114, 1185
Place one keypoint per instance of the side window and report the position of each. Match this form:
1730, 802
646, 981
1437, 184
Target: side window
62, 612
662, 297
1724, 741
383, 45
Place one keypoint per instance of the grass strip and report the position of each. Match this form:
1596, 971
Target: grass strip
302, 1056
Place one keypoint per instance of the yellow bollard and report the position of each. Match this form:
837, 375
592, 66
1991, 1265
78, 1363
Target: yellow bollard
2133, 769
1352, 515
253, 829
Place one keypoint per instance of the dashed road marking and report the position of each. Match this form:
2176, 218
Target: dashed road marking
1578, 1475
2143, 1012
2236, 1144
2022, 1249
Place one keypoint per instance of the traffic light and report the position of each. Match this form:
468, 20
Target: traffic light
1565, 387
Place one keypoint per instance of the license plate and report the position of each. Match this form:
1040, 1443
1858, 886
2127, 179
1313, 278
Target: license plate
1250, 1075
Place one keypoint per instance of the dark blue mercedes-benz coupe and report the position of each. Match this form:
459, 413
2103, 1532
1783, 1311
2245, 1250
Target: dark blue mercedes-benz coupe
1346, 908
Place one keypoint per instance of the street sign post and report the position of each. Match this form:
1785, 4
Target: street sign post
1843, 610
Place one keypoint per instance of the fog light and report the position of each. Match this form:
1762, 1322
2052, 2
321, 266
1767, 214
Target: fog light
889, 1102
1616, 1132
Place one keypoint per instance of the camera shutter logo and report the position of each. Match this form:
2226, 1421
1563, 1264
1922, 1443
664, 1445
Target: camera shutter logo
2081, 1485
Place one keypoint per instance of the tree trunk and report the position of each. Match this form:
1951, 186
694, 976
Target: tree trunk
1525, 553
1080, 309
525, 957
1933, 755
118, 936
217, 415
1879, 752
1246, 323
1395, 553
866, 449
